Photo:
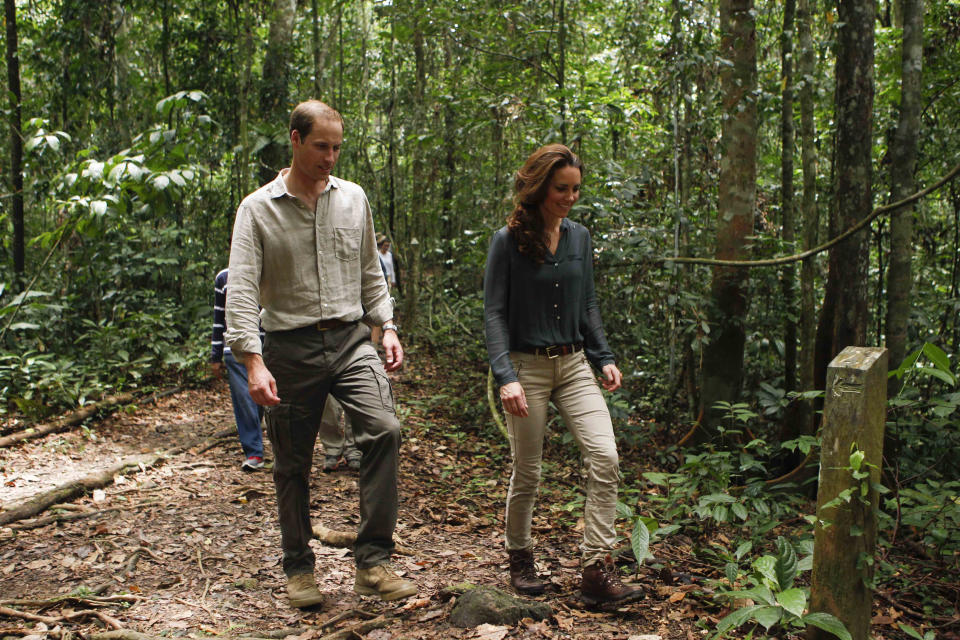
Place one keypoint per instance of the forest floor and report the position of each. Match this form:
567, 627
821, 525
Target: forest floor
190, 546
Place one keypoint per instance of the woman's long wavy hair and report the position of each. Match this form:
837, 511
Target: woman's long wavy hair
525, 222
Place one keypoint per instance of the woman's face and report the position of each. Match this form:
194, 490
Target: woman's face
562, 194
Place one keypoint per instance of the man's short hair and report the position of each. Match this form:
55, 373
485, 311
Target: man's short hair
381, 238
306, 113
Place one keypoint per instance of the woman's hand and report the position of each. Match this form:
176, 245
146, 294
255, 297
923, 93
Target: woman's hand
613, 377
514, 399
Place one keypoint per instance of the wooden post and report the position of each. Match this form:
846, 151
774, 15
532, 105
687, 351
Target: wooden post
854, 413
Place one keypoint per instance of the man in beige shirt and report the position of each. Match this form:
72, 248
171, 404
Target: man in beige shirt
304, 249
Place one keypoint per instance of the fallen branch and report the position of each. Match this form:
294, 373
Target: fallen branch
70, 490
86, 601
346, 539
78, 416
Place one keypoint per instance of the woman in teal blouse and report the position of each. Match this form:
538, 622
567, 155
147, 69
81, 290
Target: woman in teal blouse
543, 331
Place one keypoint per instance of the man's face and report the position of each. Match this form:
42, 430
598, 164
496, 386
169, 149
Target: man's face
317, 154
384, 247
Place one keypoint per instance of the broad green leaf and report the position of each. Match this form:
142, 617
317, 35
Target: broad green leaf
640, 541
761, 594
936, 355
53, 142
98, 207
624, 510
828, 623
910, 631
161, 182
766, 566
793, 600
768, 616
946, 376
786, 566
739, 510
743, 549
736, 619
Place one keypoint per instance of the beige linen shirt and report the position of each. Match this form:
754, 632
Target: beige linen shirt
302, 266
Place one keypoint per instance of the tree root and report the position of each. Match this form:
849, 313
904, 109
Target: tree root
66, 617
359, 630
346, 539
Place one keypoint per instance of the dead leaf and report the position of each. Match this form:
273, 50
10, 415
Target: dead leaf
491, 632
677, 596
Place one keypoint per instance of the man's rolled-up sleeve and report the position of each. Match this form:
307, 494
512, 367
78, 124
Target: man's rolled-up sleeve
373, 288
243, 294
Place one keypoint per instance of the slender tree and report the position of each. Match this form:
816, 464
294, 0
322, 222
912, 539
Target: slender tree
903, 153
808, 206
16, 141
723, 357
274, 107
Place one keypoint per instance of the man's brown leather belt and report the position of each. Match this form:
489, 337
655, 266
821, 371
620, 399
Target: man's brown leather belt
334, 323
555, 350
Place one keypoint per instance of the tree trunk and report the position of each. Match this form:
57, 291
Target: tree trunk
788, 276
723, 356
274, 109
417, 225
562, 69
903, 164
16, 144
844, 313
810, 214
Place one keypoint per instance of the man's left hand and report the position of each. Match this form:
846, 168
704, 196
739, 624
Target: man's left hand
393, 350
613, 377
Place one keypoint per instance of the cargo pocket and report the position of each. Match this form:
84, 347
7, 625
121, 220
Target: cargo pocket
384, 388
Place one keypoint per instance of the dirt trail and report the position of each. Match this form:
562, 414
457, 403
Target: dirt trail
195, 540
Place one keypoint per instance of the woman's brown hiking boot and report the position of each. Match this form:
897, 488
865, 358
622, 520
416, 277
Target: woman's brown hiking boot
523, 574
601, 584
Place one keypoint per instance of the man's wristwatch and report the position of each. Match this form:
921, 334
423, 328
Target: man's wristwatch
391, 326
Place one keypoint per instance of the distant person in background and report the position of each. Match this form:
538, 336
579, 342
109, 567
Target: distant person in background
387, 262
338, 442
543, 331
246, 412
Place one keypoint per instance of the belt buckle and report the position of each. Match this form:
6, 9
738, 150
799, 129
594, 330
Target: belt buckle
320, 326
558, 351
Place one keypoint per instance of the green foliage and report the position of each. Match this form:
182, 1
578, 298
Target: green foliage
779, 605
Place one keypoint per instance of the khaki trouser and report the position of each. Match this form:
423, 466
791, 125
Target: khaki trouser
309, 364
336, 440
569, 382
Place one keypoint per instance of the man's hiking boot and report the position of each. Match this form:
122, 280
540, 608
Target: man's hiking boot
382, 581
523, 573
331, 463
353, 457
601, 584
302, 591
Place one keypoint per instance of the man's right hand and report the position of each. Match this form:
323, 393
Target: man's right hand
216, 368
263, 387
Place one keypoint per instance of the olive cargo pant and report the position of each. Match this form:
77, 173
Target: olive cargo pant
308, 364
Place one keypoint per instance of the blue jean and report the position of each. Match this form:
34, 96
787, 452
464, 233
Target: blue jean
245, 410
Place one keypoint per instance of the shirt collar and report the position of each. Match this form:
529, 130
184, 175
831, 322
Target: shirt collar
278, 188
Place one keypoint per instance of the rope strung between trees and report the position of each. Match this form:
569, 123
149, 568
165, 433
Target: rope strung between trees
774, 262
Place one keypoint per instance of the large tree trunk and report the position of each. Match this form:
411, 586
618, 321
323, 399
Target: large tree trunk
274, 109
16, 143
903, 154
723, 356
809, 212
844, 314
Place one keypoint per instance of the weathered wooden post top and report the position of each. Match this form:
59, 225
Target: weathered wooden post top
854, 413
